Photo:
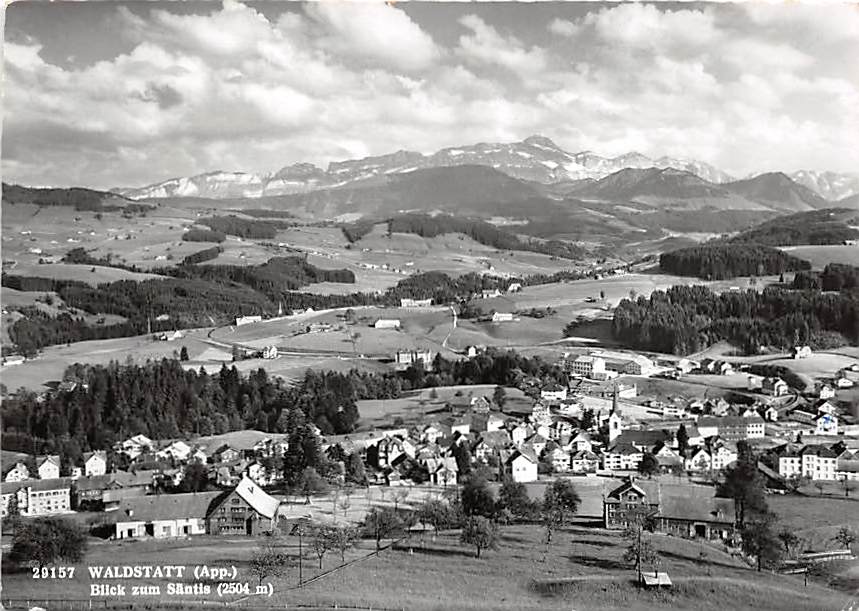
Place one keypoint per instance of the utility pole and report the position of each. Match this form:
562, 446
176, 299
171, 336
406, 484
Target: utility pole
300, 579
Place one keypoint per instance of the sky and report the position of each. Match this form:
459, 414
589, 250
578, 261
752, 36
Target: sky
110, 94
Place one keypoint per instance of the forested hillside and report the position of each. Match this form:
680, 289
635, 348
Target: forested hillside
828, 226
720, 261
686, 319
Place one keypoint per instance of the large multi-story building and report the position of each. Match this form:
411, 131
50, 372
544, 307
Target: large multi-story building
732, 428
37, 497
587, 366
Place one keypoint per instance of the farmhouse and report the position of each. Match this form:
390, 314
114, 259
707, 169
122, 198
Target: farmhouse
731, 428
801, 352
247, 509
502, 317
775, 387
387, 323
686, 511
163, 515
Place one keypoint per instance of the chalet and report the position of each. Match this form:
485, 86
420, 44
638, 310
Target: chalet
95, 463
801, 352
48, 466
225, 454
37, 497
537, 443
502, 317
480, 405
847, 466
581, 442
16, 471
442, 471
520, 433
700, 461
489, 294
826, 424
164, 515
269, 352
481, 423
135, 446
490, 443
169, 336
319, 327
775, 387
584, 461
514, 287
559, 459
825, 391
246, 509
843, 382
684, 511
176, 450
387, 323
522, 466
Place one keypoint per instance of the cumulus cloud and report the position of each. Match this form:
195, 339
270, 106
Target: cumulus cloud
748, 88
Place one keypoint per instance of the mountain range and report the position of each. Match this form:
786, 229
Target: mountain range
535, 159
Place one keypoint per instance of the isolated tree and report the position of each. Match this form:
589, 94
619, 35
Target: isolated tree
13, 511
640, 549
602, 295
513, 497
682, 440
560, 502
499, 397
321, 542
354, 337
820, 486
342, 539
381, 523
477, 498
649, 465
183, 354
345, 503
848, 486
435, 512
355, 469
760, 541
480, 532
44, 541
311, 482
744, 484
195, 477
845, 537
267, 561
789, 541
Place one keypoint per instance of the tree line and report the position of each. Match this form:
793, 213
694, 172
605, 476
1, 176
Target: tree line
245, 228
686, 319
203, 235
834, 277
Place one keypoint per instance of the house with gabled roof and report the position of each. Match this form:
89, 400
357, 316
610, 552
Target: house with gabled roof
95, 463
622, 457
686, 511
521, 466
15, 471
558, 458
163, 515
584, 461
247, 510
48, 466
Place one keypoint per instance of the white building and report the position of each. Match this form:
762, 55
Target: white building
163, 515
387, 323
502, 317
587, 366
415, 303
37, 497
522, 466
48, 467
95, 463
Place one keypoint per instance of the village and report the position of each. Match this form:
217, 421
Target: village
597, 431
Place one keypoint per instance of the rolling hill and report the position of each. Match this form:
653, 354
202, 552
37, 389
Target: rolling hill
79, 198
818, 227
777, 190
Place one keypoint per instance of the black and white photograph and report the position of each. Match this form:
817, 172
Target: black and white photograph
416, 305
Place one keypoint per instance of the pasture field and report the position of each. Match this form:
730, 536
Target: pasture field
53, 361
582, 569
821, 256
91, 274
420, 405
